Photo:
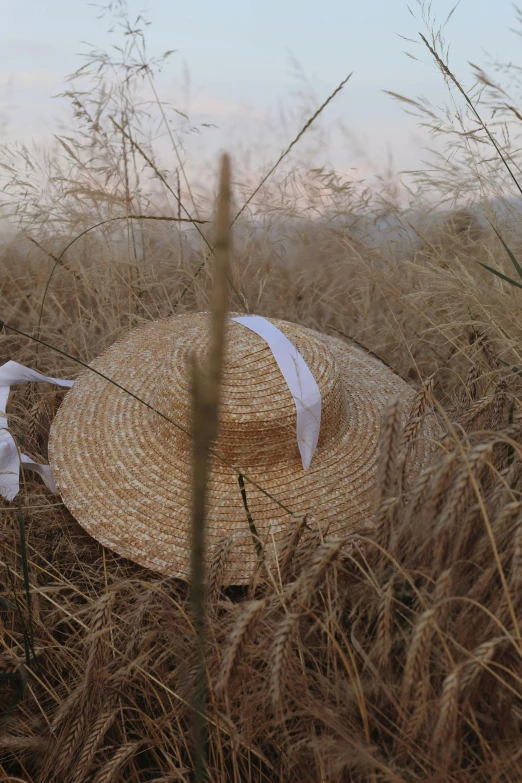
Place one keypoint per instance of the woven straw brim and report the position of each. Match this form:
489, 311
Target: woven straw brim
132, 491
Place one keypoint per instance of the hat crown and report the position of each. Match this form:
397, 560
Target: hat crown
257, 417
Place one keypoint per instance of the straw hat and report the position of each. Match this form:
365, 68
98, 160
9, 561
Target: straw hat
125, 473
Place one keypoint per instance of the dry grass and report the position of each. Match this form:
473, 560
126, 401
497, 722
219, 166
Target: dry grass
398, 660
395, 664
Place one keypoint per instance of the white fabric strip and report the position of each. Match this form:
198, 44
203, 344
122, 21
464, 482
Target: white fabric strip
300, 381
10, 457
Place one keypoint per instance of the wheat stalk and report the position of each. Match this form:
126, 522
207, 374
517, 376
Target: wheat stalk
280, 655
482, 587
389, 448
70, 740
420, 490
94, 740
469, 392
443, 478
97, 640
34, 425
446, 725
458, 495
441, 595
420, 712
413, 425
417, 659
503, 526
499, 405
474, 410
65, 709
112, 768
516, 561
216, 567
417, 411
289, 547
23, 744
471, 670
136, 626
384, 624
242, 633
321, 561
313, 535
384, 521
205, 404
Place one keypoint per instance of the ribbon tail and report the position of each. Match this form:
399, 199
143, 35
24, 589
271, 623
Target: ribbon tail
9, 467
44, 471
10, 460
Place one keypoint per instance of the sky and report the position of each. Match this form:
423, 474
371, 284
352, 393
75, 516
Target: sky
248, 60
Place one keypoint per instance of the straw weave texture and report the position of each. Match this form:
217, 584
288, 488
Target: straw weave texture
125, 473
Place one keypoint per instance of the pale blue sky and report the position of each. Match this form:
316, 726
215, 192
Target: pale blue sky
239, 53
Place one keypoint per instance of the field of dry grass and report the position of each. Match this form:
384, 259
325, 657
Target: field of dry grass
400, 663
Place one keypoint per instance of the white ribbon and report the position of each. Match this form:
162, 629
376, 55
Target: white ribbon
300, 381
10, 457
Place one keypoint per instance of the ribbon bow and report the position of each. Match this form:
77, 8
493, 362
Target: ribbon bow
10, 456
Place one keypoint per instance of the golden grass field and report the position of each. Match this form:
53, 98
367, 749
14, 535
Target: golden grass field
402, 663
